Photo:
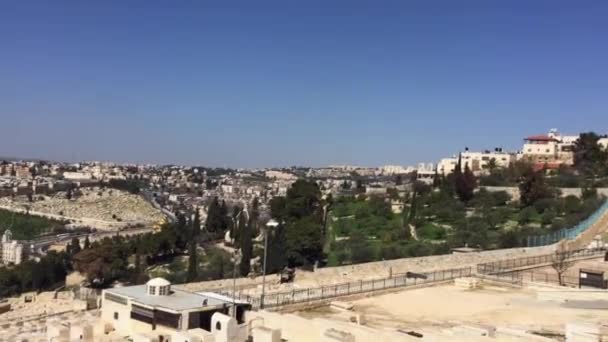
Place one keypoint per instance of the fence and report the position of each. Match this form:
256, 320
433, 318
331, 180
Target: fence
568, 233
539, 277
503, 266
513, 278
346, 289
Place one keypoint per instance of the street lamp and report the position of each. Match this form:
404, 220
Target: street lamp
270, 225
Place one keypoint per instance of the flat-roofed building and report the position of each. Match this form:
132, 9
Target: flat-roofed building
160, 310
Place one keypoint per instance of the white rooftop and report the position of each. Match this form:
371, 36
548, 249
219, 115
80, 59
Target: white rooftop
177, 300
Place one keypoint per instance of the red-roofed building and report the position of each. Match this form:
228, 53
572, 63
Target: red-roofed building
549, 151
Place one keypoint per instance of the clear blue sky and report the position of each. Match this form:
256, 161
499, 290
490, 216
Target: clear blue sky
258, 83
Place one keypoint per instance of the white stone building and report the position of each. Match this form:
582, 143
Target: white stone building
77, 175
425, 173
13, 252
158, 312
478, 162
551, 150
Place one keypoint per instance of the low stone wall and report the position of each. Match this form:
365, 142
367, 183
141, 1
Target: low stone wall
513, 191
371, 270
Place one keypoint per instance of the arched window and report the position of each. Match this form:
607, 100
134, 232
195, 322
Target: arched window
218, 326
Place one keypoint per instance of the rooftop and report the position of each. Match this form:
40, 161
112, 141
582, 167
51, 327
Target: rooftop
178, 300
540, 138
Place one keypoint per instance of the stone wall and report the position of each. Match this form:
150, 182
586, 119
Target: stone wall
365, 271
513, 191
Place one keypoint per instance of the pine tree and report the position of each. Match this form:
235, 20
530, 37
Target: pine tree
87, 243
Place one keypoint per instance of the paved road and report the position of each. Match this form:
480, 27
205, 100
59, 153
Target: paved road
44, 243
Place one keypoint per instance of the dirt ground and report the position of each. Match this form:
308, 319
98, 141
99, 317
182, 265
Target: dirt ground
448, 306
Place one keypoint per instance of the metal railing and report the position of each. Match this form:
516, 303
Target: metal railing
568, 233
541, 277
503, 266
346, 289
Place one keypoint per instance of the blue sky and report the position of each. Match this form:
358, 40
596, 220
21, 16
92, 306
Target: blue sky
260, 83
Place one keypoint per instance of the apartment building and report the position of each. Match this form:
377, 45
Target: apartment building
478, 162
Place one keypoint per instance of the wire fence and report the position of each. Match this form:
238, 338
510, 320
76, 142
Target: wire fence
504, 266
346, 289
568, 233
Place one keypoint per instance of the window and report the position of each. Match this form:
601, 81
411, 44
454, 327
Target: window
116, 316
218, 326
163, 290
152, 290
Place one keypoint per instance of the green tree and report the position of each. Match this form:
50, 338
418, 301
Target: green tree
75, 246
464, 183
276, 258
224, 219
192, 261
491, 165
548, 217
533, 188
246, 239
234, 227
589, 157
196, 223
214, 222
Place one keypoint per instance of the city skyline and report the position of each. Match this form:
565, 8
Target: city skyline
280, 84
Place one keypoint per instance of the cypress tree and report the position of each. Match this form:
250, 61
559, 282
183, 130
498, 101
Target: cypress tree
192, 261
196, 224
212, 223
246, 239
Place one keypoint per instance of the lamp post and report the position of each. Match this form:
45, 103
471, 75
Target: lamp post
270, 225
